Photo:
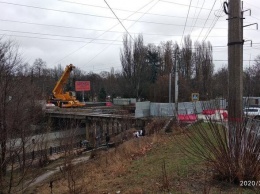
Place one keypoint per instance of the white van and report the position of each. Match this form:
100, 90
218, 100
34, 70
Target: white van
252, 112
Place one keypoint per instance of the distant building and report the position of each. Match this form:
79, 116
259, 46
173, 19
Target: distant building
251, 101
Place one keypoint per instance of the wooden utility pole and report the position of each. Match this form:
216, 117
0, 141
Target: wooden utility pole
235, 61
176, 84
170, 87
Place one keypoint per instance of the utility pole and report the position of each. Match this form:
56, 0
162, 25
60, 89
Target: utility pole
176, 84
235, 61
170, 86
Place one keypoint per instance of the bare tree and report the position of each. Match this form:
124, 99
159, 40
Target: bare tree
9, 61
38, 67
220, 83
252, 76
204, 68
186, 65
133, 60
18, 110
126, 58
110, 83
69, 138
168, 57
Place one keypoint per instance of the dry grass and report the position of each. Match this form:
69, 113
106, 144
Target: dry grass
233, 153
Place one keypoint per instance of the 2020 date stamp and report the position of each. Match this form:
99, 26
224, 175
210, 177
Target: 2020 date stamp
249, 183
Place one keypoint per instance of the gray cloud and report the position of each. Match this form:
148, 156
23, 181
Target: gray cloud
67, 46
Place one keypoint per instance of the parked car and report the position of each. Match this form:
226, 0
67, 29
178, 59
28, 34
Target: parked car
252, 112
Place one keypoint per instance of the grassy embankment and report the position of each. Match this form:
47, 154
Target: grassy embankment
151, 164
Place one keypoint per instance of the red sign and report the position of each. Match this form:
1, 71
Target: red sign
82, 85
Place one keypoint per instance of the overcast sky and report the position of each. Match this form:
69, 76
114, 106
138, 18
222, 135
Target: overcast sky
87, 34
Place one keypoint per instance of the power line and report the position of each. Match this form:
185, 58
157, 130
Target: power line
207, 18
66, 36
70, 12
45, 38
99, 36
129, 27
45, 34
119, 20
197, 15
183, 4
215, 20
125, 10
79, 28
186, 22
93, 15
56, 10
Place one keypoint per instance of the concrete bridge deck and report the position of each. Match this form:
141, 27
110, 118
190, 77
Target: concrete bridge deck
98, 121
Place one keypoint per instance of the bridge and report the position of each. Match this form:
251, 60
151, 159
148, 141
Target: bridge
98, 121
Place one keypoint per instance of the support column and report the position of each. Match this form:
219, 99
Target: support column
113, 127
110, 127
98, 132
90, 133
87, 129
117, 127
107, 127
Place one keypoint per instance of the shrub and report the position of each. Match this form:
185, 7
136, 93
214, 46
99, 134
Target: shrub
232, 152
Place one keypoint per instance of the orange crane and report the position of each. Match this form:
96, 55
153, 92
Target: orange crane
64, 99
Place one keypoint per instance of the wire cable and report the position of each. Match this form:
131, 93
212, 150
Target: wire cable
92, 15
89, 29
186, 22
214, 22
182, 4
60, 26
207, 19
194, 15
124, 10
197, 16
119, 20
45, 38
45, 34
71, 53
118, 37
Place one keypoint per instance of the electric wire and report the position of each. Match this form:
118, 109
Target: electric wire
125, 10
51, 25
71, 53
215, 20
207, 19
46, 34
217, 60
182, 4
194, 15
92, 15
89, 29
186, 22
119, 20
197, 17
118, 37
45, 38
210, 28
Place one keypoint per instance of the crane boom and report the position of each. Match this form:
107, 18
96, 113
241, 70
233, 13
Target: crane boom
58, 89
